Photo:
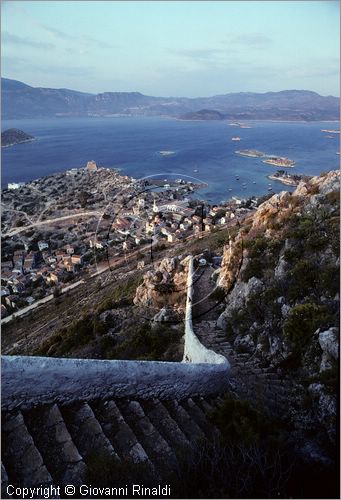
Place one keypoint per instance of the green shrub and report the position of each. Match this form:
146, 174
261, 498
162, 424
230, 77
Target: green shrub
256, 246
79, 333
303, 279
122, 295
255, 267
333, 229
303, 321
238, 421
274, 247
329, 278
146, 343
292, 254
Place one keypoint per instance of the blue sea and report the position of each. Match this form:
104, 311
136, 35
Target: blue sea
132, 144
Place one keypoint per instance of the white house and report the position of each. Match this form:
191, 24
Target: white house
15, 185
42, 245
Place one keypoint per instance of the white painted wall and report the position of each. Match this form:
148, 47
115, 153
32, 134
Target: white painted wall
29, 380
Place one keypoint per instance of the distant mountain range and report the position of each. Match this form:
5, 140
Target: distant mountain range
23, 101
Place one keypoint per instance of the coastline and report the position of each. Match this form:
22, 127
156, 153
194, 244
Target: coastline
17, 143
283, 180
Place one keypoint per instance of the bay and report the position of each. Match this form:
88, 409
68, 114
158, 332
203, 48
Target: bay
132, 144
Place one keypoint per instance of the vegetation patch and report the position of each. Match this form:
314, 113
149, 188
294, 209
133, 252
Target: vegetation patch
239, 422
303, 321
121, 296
81, 332
148, 342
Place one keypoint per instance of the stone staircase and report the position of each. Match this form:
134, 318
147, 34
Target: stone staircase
266, 388
54, 444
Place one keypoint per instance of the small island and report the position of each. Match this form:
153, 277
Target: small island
279, 161
14, 136
288, 179
250, 152
203, 114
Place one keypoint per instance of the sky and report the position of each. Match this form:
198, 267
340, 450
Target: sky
173, 48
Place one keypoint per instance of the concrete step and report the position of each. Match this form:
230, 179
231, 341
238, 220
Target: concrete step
186, 423
22, 460
86, 432
167, 426
200, 418
157, 448
119, 432
59, 453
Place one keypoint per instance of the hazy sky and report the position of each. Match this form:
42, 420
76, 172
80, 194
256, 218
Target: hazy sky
179, 48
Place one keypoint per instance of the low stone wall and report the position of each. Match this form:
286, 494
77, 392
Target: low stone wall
28, 381
194, 351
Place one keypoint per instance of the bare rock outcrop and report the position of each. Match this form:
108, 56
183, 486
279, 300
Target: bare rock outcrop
329, 343
323, 184
231, 262
271, 208
165, 286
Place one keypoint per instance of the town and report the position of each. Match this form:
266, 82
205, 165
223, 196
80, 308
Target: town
61, 228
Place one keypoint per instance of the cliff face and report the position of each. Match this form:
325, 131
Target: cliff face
231, 262
284, 306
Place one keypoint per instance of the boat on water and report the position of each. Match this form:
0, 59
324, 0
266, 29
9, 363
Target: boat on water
195, 171
253, 182
235, 138
166, 153
230, 189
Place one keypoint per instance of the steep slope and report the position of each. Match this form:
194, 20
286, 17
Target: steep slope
283, 310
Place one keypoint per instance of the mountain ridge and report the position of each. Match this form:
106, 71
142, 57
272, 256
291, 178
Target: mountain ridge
20, 100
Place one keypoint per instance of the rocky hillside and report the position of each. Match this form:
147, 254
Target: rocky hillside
282, 308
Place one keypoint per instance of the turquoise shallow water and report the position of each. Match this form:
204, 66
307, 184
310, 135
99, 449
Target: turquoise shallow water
132, 144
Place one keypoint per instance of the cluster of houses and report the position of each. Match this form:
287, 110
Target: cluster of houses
174, 221
29, 274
